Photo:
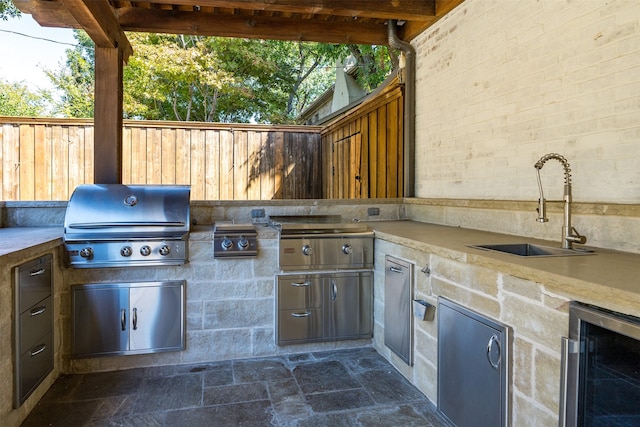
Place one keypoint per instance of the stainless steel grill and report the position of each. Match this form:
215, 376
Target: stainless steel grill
114, 225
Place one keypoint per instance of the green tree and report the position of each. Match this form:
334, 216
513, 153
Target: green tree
17, 100
8, 10
214, 79
76, 80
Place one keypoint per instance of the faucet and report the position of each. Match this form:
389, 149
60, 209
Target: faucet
569, 234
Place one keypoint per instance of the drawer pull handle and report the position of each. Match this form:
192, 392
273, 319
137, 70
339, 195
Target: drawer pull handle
301, 285
37, 272
135, 319
38, 310
305, 314
38, 350
395, 270
123, 319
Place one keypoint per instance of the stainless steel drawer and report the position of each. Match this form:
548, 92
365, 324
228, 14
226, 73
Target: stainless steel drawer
35, 365
35, 323
304, 291
303, 324
34, 280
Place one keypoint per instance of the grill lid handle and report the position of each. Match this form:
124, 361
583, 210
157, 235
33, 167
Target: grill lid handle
92, 225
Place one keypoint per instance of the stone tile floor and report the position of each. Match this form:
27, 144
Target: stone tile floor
356, 387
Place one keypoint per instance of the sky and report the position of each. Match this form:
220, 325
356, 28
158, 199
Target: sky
23, 56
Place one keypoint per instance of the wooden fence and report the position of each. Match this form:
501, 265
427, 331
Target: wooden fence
45, 159
363, 149
358, 155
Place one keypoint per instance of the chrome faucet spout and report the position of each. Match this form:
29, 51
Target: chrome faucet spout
569, 234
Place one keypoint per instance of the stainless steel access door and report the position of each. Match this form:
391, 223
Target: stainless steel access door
398, 319
473, 367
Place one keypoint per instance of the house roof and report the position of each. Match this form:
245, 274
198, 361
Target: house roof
327, 21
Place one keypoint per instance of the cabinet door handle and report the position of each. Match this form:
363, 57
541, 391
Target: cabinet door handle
301, 284
37, 272
305, 314
135, 319
492, 340
123, 319
334, 289
37, 310
38, 350
395, 270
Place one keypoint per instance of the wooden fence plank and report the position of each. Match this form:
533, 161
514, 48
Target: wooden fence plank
60, 163
254, 157
392, 149
43, 162
27, 163
168, 156
154, 156
240, 165
382, 152
198, 165
266, 166
279, 165
226, 165
138, 155
127, 136
212, 165
89, 155
11, 160
183, 151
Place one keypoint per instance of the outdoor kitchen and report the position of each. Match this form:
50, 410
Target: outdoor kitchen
482, 289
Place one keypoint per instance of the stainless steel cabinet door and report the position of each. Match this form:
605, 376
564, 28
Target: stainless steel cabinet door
473, 367
349, 306
100, 320
398, 319
155, 320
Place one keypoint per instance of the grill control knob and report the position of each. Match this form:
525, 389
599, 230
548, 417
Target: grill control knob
145, 250
86, 253
226, 243
126, 251
347, 249
243, 243
164, 250
307, 250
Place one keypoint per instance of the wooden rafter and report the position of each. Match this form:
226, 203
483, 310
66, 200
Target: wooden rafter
329, 21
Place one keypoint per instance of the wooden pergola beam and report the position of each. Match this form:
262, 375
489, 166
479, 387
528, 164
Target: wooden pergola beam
378, 9
97, 18
261, 27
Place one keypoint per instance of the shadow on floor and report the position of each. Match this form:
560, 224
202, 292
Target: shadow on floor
356, 387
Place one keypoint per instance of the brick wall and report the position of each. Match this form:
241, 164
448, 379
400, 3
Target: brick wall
501, 83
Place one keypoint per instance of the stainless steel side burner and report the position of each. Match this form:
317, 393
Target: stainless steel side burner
231, 240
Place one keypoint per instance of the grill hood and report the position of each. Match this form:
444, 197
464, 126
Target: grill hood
115, 211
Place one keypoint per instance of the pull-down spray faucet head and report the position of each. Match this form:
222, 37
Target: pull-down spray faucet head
569, 234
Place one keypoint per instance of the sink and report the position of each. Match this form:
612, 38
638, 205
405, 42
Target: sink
531, 250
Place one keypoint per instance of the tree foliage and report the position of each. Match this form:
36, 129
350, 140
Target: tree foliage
214, 79
17, 100
76, 79
8, 10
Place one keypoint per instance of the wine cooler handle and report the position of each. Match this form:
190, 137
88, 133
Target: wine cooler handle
494, 340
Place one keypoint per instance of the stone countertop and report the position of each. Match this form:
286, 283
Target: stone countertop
607, 278
16, 239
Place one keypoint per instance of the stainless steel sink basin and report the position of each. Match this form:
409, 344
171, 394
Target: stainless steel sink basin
530, 250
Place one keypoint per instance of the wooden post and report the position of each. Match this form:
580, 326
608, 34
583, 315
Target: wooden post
108, 116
